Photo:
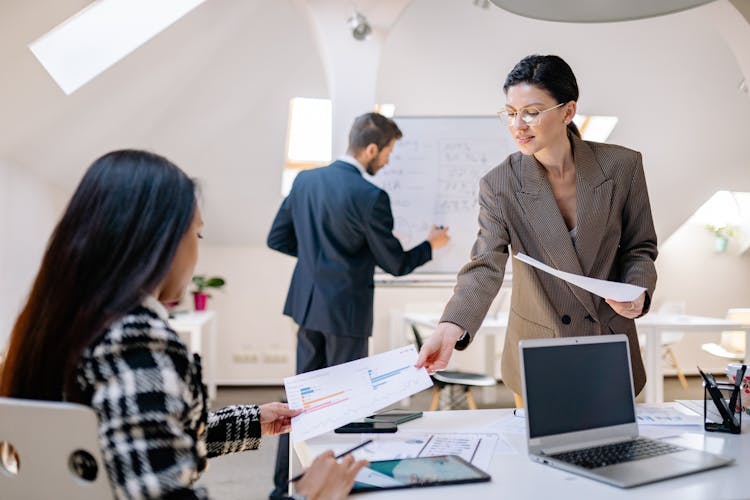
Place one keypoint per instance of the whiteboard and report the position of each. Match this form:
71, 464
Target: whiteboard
433, 178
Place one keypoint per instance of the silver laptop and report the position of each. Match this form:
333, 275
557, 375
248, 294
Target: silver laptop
580, 414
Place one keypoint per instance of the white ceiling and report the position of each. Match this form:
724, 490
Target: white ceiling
212, 92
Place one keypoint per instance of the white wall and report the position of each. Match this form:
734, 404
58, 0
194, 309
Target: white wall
29, 210
249, 311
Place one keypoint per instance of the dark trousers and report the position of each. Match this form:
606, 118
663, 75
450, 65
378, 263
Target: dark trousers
315, 350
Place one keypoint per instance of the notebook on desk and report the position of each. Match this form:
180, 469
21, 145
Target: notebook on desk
580, 414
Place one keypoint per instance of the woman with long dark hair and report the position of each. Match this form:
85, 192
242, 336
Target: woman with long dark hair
94, 331
579, 206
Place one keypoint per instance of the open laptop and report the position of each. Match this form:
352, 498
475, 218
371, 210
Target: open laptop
580, 414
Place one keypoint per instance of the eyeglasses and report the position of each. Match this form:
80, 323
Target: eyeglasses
529, 116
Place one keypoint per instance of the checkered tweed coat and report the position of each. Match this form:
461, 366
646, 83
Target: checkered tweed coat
154, 427
615, 241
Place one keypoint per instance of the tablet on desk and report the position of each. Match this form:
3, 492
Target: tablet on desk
417, 472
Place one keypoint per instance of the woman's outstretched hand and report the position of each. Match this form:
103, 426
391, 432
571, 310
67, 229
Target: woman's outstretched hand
276, 418
437, 350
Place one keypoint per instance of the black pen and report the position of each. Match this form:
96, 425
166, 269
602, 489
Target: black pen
340, 455
718, 398
736, 391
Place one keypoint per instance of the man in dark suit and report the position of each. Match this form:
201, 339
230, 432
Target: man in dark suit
340, 226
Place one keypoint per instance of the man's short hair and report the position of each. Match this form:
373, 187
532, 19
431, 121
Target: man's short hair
372, 128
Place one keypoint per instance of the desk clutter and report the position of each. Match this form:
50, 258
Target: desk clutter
726, 398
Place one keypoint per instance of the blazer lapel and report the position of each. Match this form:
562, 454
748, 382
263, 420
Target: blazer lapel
543, 214
593, 204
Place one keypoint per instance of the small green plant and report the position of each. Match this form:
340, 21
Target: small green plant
202, 282
725, 231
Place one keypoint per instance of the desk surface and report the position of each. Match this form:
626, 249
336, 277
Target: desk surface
514, 475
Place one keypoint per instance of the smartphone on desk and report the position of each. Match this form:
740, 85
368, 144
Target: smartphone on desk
366, 428
394, 416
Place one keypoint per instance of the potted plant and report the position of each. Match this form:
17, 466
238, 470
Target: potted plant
722, 234
202, 282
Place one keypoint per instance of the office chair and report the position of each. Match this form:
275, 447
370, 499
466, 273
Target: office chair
454, 379
732, 343
50, 450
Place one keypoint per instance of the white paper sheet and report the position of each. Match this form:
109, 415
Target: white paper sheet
621, 292
344, 393
509, 424
667, 414
475, 448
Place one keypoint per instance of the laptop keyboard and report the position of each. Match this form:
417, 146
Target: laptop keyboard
602, 456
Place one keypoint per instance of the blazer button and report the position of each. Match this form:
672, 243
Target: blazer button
566, 319
588, 317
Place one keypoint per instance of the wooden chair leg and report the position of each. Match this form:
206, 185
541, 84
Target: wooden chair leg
518, 400
435, 398
470, 399
673, 360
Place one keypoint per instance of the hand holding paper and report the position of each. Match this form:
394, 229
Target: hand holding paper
335, 396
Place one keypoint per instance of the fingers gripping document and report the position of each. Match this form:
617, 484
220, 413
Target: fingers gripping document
335, 396
621, 292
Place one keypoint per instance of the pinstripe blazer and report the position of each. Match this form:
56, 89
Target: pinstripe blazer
615, 241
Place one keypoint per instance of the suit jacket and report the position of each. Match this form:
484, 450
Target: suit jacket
339, 226
615, 241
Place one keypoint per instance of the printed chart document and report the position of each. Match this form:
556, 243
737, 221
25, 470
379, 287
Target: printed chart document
621, 292
335, 396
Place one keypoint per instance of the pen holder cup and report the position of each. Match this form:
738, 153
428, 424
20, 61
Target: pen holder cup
711, 413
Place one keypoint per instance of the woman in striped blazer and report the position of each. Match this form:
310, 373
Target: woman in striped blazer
579, 206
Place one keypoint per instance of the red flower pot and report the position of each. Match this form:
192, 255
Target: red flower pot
199, 300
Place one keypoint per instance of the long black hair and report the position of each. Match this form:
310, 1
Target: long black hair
550, 73
112, 247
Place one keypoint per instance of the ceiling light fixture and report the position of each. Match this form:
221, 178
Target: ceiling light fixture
599, 11
361, 29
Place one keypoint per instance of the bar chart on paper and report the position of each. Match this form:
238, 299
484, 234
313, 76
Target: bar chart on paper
335, 396
314, 399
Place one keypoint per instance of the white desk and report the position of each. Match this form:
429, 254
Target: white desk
652, 325
516, 476
201, 330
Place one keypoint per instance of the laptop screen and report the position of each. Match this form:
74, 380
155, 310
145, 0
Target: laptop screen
576, 387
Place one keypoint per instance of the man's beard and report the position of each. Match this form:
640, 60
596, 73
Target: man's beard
370, 167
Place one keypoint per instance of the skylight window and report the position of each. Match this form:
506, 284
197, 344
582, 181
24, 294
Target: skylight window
595, 128
309, 137
386, 109
724, 209
83, 46
310, 131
